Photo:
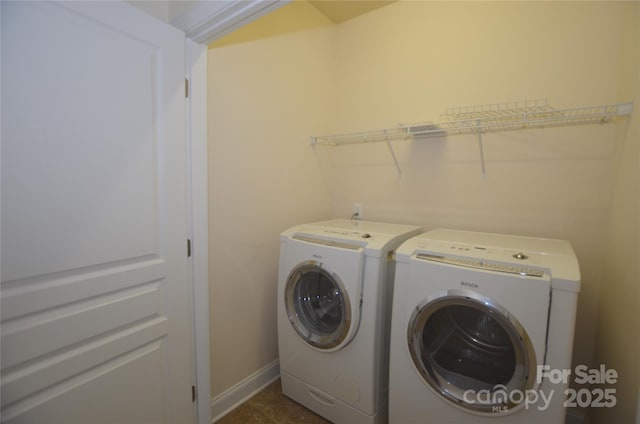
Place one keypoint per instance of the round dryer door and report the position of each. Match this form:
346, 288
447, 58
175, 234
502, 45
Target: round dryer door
472, 352
318, 306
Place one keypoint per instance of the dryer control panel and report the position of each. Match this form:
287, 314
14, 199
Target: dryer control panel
481, 264
346, 233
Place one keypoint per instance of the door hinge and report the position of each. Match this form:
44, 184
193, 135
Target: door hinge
186, 88
188, 248
193, 393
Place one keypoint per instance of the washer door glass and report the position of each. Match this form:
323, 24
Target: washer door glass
472, 352
317, 306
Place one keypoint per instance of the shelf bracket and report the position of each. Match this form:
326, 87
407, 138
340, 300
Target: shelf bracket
393, 154
484, 170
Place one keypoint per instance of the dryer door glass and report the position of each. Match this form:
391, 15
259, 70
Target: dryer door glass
317, 306
472, 352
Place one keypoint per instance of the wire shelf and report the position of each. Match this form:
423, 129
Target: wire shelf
485, 118
496, 110
488, 118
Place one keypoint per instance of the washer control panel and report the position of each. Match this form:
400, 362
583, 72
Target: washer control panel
346, 233
481, 264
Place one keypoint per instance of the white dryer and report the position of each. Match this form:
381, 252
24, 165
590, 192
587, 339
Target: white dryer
474, 315
334, 287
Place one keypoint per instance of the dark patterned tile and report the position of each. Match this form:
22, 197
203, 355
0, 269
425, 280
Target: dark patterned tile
270, 406
245, 414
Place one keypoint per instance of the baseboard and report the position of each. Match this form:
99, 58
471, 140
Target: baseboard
225, 402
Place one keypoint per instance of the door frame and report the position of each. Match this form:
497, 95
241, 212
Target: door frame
197, 227
203, 23
206, 21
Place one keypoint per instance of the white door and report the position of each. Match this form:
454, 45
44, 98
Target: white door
95, 299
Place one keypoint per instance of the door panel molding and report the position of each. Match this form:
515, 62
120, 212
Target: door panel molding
96, 296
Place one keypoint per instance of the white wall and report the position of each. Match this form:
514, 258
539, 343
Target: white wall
265, 98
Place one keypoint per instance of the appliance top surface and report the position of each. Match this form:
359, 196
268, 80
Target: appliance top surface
372, 235
555, 256
443, 238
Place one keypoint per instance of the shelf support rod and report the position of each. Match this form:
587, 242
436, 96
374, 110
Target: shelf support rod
393, 154
484, 170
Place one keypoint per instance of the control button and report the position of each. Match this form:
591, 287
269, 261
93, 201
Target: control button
520, 256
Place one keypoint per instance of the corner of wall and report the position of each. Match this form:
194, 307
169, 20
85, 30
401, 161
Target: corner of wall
266, 98
618, 318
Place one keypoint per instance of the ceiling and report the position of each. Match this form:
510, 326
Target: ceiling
342, 10
300, 15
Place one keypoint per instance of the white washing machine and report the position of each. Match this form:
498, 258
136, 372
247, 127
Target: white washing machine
334, 287
474, 315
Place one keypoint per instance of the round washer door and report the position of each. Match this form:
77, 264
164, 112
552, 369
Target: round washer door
318, 306
472, 352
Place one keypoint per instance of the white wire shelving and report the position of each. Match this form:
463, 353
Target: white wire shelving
481, 119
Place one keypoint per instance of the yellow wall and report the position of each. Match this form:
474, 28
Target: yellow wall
617, 344
295, 17
264, 99
406, 63
409, 61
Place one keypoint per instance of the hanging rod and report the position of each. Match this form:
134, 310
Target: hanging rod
487, 118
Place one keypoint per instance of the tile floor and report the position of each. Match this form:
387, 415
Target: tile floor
270, 406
